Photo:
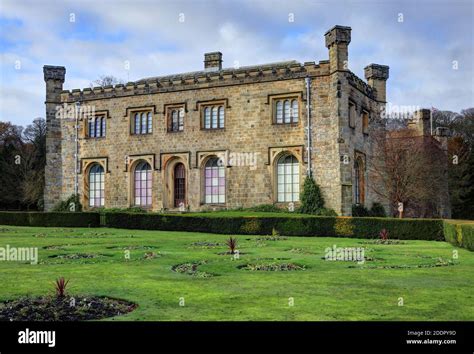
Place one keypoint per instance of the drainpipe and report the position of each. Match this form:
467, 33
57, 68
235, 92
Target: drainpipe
78, 106
308, 126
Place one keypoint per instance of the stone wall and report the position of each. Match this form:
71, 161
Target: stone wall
247, 94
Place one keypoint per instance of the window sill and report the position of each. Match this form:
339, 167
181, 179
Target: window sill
286, 124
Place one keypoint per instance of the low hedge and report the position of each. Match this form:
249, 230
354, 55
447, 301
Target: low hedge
57, 219
404, 229
460, 234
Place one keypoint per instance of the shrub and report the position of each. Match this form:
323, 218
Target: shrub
60, 287
384, 234
359, 211
344, 227
311, 197
251, 227
305, 225
56, 219
377, 210
459, 234
134, 209
232, 244
71, 204
270, 208
326, 212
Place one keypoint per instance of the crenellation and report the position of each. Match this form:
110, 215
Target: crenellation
247, 97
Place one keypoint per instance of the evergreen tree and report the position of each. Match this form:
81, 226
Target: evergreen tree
465, 208
312, 200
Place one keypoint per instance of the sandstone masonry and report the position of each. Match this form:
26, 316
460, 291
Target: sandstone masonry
339, 135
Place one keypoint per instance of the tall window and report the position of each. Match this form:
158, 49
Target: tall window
179, 184
365, 122
96, 127
352, 114
214, 182
142, 180
359, 185
286, 111
142, 123
176, 120
288, 179
96, 186
214, 117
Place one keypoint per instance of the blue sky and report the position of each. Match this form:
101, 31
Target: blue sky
94, 38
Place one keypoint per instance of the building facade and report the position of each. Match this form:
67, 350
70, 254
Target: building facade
217, 138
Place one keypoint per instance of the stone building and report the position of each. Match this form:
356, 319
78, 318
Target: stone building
219, 137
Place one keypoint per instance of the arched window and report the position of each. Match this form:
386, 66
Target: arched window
102, 120
137, 123
294, 111
207, 118
221, 117
286, 111
143, 124
279, 112
214, 118
91, 128
142, 187
98, 127
179, 185
288, 179
96, 186
286, 108
214, 182
176, 120
359, 185
149, 123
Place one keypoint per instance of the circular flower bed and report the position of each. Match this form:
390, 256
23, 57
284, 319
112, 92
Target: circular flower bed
47, 308
269, 238
205, 244
191, 269
74, 256
439, 263
272, 267
384, 242
131, 248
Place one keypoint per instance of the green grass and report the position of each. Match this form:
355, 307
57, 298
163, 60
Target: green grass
238, 213
324, 291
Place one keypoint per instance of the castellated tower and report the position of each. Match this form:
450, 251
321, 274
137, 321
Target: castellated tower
54, 78
170, 131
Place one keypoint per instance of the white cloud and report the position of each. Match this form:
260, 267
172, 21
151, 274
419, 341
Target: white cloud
419, 51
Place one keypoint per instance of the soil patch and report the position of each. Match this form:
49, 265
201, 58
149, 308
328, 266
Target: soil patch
49, 308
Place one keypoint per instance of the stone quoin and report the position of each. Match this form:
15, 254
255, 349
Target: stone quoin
163, 143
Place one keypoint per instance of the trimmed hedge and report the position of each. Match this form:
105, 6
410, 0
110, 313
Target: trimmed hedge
403, 229
57, 219
459, 234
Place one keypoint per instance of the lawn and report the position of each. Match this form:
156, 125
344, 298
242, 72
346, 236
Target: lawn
324, 290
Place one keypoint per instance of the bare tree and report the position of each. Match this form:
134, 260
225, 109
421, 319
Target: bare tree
106, 80
409, 170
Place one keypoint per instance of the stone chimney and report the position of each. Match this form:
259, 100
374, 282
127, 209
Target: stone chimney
421, 122
376, 76
54, 78
337, 41
213, 61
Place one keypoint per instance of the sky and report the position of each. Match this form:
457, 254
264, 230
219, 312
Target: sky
429, 45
